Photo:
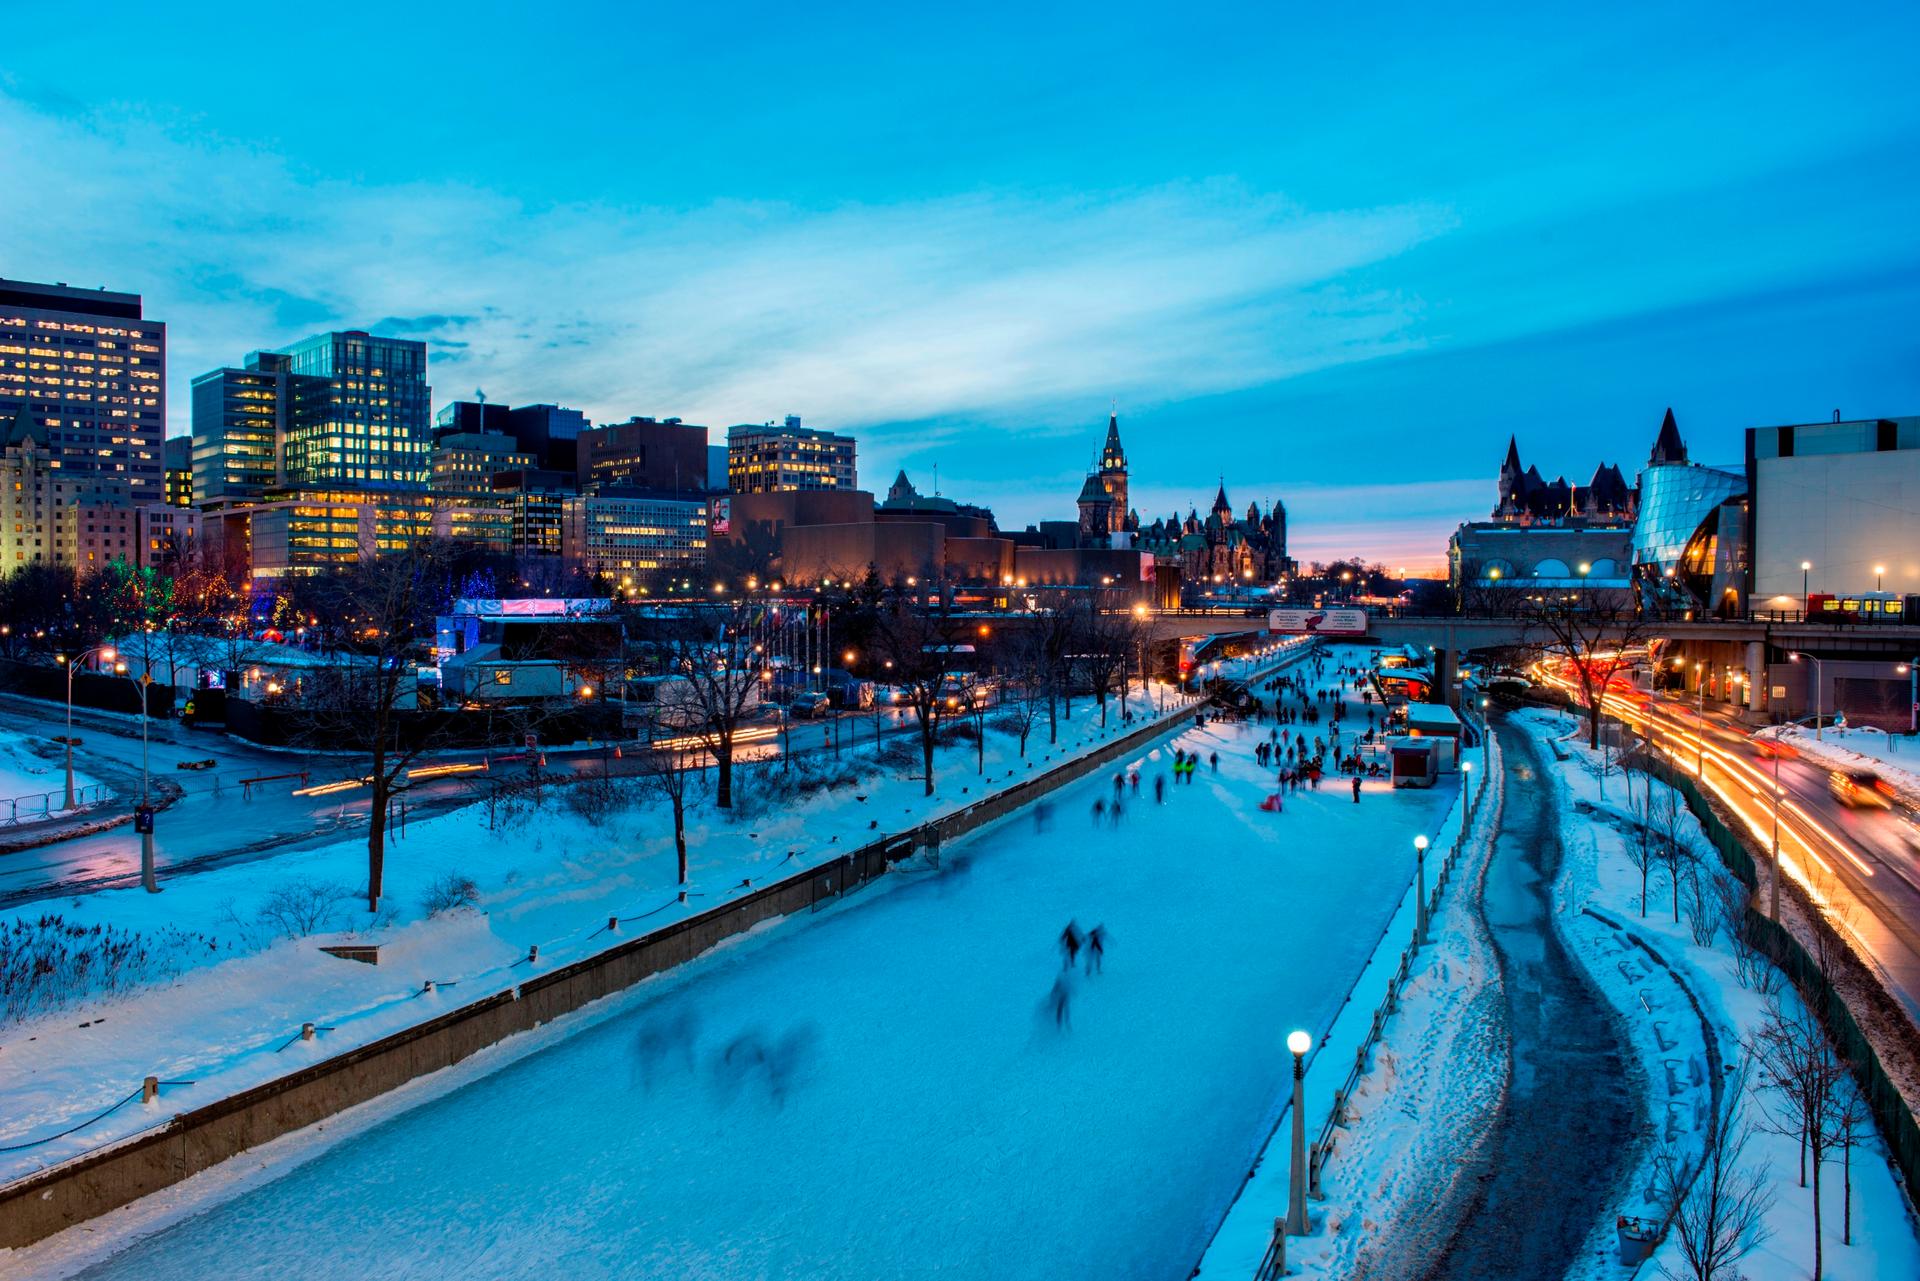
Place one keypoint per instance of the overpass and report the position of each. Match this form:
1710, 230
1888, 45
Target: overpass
1744, 643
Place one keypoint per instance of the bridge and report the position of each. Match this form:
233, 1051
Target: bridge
1747, 643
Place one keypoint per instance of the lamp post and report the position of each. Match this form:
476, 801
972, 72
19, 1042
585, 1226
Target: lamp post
1299, 1043
1912, 668
106, 652
1466, 796
1773, 894
1700, 720
1806, 566
1486, 746
1796, 655
147, 881
1420, 904
1879, 578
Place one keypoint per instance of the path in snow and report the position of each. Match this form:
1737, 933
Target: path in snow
900, 1104
1569, 1117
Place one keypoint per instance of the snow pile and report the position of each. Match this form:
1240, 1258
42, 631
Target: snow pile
1894, 759
898, 1099
1617, 943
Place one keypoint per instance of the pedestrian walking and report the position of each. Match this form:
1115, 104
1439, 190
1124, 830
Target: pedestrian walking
1356, 785
1069, 945
1159, 789
1213, 759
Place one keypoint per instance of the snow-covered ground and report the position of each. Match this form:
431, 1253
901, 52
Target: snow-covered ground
30, 770
1599, 873
908, 1104
1894, 757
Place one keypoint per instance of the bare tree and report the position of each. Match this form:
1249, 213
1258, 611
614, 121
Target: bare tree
722, 675
1054, 634
1593, 634
1800, 1078
918, 632
1718, 1210
1671, 847
1103, 636
367, 702
666, 770
1024, 675
1643, 841
974, 695
1850, 1121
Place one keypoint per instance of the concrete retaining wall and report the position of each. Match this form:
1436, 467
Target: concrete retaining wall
75, 1191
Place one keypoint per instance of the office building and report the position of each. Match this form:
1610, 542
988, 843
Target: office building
373, 432
472, 417
665, 455
178, 456
241, 418
465, 464
551, 433
1842, 498
636, 538
89, 370
768, 459
315, 531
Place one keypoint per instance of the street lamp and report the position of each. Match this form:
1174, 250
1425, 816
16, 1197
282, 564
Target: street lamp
1879, 576
1773, 895
1700, 720
106, 652
1796, 656
1805, 567
1420, 904
1911, 670
1466, 795
1298, 1043
1486, 746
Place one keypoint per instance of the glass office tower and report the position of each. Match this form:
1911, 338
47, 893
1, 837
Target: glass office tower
375, 430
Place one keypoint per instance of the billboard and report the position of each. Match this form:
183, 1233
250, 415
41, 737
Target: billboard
1318, 622
720, 517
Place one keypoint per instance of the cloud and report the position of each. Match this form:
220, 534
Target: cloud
853, 315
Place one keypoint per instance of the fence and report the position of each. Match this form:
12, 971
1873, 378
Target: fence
1891, 1114
129, 1167
39, 806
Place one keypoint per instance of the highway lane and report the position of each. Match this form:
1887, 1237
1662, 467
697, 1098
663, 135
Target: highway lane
1861, 866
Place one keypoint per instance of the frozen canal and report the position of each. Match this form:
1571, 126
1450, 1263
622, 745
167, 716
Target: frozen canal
921, 1114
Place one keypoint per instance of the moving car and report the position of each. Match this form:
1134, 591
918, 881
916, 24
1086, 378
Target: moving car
1859, 789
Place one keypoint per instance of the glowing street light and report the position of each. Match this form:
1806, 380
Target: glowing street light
104, 651
1298, 1043
1420, 904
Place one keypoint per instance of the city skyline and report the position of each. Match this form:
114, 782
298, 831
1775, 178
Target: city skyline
1286, 271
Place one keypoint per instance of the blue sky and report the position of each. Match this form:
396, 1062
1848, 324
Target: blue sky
1335, 253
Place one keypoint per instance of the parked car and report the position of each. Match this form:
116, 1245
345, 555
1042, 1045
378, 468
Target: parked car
810, 703
1859, 789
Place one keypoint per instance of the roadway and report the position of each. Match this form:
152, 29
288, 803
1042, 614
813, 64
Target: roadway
220, 819
1861, 865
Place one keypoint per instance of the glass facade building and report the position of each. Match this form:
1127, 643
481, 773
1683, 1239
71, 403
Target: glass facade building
374, 429
1674, 499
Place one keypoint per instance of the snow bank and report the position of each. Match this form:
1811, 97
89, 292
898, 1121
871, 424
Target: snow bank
1617, 946
30, 768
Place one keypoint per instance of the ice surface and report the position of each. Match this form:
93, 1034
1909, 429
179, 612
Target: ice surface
933, 1119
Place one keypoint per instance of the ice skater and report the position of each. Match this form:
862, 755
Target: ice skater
1069, 945
1096, 948
1356, 789
1060, 1000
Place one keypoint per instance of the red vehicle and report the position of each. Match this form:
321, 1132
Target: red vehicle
1768, 748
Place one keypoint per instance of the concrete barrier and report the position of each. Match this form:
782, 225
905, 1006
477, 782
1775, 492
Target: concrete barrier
84, 1187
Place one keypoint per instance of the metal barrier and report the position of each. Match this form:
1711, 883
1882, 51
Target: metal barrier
39, 806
